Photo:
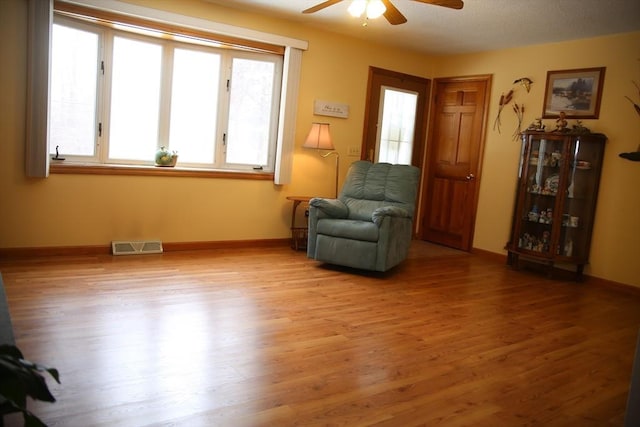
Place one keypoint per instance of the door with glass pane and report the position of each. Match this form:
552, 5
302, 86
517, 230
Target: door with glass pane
395, 118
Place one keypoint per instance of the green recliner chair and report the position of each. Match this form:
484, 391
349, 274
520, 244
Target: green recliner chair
370, 225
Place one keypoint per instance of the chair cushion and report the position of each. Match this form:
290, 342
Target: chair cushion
380, 184
347, 252
348, 229
361, 209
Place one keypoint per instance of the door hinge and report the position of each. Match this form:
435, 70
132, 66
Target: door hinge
99, 129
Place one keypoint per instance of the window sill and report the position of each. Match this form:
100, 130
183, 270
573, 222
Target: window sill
137, 170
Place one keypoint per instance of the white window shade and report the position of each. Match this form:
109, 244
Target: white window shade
40, 18
288, 108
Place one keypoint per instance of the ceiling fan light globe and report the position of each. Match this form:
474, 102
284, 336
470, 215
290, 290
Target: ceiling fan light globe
375, 9
357, 8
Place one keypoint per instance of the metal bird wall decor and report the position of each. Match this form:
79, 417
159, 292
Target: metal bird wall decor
634, 156
526, 82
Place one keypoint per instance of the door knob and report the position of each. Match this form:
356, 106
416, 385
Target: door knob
471, 177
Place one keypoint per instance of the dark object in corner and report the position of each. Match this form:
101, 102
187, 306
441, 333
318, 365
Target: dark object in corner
6, 328
634, 156
19, 378
632, 417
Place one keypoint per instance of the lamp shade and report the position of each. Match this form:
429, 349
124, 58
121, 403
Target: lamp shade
319, 137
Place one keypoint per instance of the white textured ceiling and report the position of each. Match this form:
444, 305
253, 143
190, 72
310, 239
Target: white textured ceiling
480, 26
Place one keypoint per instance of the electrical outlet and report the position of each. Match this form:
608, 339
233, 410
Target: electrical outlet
354, 150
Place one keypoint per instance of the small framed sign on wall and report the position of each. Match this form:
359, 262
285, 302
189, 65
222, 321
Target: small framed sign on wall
333, 109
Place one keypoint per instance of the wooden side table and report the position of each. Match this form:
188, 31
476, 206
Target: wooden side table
298, 233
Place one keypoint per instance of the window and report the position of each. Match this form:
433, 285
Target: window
74, 75
118, 96
398, 111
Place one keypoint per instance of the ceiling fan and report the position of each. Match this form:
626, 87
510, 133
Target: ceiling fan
390, 12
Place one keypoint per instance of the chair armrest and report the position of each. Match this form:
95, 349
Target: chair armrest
393, 211
333, 208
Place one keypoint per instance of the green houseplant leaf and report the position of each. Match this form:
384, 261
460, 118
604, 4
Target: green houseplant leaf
20, 378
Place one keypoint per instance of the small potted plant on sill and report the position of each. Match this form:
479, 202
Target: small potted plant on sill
165, 158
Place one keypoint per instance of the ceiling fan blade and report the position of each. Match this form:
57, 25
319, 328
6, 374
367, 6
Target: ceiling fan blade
321, 6
392, 14
452, 4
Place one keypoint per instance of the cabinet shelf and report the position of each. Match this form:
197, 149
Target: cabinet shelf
572, 166
534, 251
530, 221
539, 193
550, 167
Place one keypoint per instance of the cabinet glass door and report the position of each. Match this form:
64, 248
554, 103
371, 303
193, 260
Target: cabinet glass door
578, 208
543, 175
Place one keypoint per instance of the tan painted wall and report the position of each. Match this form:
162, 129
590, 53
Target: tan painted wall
617, 225
67, 210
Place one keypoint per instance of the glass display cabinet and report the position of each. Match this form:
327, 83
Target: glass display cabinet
556, 198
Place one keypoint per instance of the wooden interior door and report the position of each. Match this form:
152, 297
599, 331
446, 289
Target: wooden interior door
458, 122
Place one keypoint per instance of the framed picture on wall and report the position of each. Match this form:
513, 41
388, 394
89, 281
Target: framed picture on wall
575, 92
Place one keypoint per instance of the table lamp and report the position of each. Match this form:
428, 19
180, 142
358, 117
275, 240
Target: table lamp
319, 138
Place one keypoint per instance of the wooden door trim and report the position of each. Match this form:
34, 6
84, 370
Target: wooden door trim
422, 113
482, 78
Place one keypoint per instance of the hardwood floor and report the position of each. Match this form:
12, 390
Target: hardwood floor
266, 337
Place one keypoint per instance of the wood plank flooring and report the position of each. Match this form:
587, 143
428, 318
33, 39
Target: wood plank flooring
266, 337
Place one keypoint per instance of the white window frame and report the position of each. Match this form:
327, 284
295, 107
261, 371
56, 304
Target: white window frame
39, 34
104, 87
275, 102
99, 32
